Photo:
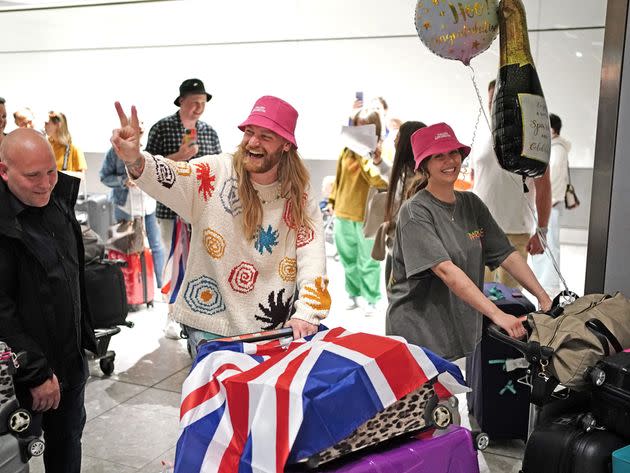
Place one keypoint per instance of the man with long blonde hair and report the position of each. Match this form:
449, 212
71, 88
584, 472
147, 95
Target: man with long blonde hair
257, 247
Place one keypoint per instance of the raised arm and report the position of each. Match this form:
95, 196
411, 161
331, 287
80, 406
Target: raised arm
183, 187
126, 141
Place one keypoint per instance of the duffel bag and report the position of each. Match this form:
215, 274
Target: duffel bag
588, 329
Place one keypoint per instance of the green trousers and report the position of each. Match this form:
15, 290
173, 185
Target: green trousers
363, 274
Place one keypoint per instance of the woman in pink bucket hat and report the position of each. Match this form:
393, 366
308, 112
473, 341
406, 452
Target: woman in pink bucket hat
444, 238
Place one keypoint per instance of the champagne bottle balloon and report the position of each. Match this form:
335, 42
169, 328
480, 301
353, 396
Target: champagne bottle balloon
521, 131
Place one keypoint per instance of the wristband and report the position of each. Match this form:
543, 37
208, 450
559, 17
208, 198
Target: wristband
542, 230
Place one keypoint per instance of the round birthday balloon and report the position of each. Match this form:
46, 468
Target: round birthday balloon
457, 29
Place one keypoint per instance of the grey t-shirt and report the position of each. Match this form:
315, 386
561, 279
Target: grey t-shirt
421, 307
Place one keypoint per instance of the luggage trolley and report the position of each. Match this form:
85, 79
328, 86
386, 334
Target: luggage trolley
569, 439
422, 409
107, 317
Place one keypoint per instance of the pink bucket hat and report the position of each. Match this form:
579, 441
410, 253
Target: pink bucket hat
274, 114
435, 139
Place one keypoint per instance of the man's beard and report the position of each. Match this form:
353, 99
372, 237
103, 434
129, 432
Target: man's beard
262, 164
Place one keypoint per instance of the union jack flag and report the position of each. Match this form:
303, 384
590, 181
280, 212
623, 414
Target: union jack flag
254, 408
175, 266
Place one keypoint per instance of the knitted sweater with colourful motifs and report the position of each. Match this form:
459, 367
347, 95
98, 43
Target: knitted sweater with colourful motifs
235, 285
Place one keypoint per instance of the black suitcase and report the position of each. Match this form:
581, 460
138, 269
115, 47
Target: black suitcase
498, 402
564, 446
611, 395
100, 213
106, 294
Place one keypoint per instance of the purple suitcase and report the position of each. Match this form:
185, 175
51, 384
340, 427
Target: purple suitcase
451, 452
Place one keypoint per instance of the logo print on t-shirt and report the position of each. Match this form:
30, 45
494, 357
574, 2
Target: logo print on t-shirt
476, 234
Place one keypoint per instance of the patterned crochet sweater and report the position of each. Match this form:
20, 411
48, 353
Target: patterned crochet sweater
234, 285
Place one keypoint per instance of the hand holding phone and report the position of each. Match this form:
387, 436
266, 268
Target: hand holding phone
190, 136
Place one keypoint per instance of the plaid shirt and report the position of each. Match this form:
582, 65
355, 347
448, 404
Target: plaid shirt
165, 137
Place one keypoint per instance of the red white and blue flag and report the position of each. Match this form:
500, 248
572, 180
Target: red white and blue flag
254, 408
175, 266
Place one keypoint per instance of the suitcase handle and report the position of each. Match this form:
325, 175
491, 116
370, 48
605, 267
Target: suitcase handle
255, 337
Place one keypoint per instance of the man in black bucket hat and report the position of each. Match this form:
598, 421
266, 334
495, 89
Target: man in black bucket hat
181, 137
189, 87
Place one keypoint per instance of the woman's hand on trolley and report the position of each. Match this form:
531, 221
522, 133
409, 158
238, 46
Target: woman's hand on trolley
512, 325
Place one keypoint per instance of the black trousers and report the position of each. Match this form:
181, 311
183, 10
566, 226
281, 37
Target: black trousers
63, 427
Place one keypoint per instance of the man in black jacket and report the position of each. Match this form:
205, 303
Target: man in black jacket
43, 310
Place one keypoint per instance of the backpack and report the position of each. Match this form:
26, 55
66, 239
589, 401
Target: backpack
588, 329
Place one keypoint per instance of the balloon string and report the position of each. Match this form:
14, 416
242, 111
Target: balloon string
481, 106
541, 237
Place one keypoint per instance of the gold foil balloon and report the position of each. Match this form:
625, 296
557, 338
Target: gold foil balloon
457, 29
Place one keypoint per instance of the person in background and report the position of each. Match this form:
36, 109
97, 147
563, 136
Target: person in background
355, 175
401, 180
257, 258
69, 158
3, 118
181, 137
559, 174
43, 308
444, 239
502, 192
389, 145
113, 174
23, 118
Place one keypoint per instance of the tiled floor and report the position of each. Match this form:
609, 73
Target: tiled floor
133, 414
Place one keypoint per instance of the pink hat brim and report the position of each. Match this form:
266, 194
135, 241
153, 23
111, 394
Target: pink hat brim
443, 146
265, 122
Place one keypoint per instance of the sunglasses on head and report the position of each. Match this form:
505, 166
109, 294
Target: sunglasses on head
53, 117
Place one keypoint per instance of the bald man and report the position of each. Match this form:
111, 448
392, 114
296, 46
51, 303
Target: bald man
43, 311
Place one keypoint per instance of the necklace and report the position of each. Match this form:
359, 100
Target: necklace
454, 209
276, 196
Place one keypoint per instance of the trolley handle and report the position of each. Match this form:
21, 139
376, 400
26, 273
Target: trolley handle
255, 337
498, 333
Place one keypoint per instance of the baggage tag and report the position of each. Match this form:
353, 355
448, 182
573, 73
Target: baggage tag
515, 364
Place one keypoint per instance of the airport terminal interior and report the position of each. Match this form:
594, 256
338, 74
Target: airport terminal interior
79, 57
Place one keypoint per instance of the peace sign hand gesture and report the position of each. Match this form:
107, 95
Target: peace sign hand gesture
126, 140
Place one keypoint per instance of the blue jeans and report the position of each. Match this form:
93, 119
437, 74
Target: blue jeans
155, 241
195, 336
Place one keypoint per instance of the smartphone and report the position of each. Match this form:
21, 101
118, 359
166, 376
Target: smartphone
190, 136
359, 96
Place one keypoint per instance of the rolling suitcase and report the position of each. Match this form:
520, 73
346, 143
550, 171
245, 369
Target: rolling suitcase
100, 213
611, 395
621, 460
565, 446
493, 371
451, 452
139, 278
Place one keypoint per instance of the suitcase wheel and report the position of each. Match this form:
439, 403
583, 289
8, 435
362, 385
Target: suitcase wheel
19, 421
598, 376
442, 416
107, 366
36, 447
481, 441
